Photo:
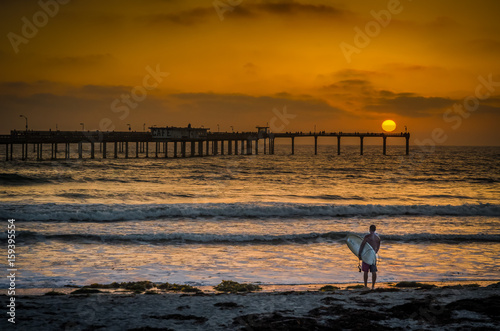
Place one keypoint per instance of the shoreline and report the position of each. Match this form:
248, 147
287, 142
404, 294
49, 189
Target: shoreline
266, 288
451, 306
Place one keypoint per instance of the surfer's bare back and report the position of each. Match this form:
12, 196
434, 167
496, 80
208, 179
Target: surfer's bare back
374, 241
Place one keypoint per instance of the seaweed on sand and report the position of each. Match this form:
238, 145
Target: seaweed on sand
230, 286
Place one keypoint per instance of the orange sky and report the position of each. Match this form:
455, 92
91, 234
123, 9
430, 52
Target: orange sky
432, 66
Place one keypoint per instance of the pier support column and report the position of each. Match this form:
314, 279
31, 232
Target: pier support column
39, 151
80, 152
192, 148
315, 145
104, 145
156, 149
207, 147
6, 152
200, 147
165, 146
175, 148
229, 147
11, 151
242, 147
136, 149
92, 150
385, 145
338, 145
183, 148
293, 145
222, 147
55, 151
147, 149
116, 150
265, 146
361, 145
257, 146
236, 147
408, 145
126, 149
22, 151
249, 147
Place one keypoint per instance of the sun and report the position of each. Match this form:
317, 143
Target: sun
389, 125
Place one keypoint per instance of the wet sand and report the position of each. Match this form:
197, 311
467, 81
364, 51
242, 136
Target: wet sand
448, 306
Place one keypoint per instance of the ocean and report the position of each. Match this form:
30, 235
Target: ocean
273, 219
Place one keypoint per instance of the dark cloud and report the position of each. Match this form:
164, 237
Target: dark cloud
244, 10
294, 8
409, 104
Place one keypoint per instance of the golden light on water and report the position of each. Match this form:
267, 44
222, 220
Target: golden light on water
389, 125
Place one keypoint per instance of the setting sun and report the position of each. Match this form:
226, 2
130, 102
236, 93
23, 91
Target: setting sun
389, 125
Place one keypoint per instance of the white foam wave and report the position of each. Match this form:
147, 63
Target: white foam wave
124, 212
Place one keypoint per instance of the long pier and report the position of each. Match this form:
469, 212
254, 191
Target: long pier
213, 143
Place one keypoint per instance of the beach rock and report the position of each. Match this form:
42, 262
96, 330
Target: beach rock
277, 322
227, 305
180, 317
489, 306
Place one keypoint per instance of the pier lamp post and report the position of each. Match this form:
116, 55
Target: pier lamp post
26, 121
83, 126
144, 127
217, 127
232, 129
129, 128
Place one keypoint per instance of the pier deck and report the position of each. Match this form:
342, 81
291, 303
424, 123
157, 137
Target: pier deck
213, 143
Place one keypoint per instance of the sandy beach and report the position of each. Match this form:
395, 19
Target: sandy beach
444, 306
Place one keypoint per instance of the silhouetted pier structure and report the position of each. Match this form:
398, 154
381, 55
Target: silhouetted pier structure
156, 144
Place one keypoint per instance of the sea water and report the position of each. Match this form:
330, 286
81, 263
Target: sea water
275, 219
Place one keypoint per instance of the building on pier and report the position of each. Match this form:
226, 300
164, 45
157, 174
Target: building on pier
172, 132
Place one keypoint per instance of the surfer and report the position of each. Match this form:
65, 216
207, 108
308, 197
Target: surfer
374, 241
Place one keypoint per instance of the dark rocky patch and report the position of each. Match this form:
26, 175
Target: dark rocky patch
423, 309
148, 328
329, 300
487, 306
365, 302
278, 322
460, 287
180, 317
54, 293
227, 305
183, 307
415, 284
86, 290
380, 290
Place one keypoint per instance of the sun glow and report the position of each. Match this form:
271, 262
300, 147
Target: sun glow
389, 125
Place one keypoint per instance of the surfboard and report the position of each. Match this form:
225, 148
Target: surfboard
354, 243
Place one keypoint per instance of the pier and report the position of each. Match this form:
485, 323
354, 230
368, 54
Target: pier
186, 142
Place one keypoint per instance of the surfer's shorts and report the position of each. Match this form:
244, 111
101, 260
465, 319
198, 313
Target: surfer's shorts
369, 267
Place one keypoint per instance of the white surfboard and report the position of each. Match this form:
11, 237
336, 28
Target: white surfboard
354, 243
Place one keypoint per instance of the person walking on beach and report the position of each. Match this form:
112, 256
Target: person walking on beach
374, 241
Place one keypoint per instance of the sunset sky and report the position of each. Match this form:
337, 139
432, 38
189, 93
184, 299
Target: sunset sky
337, 65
